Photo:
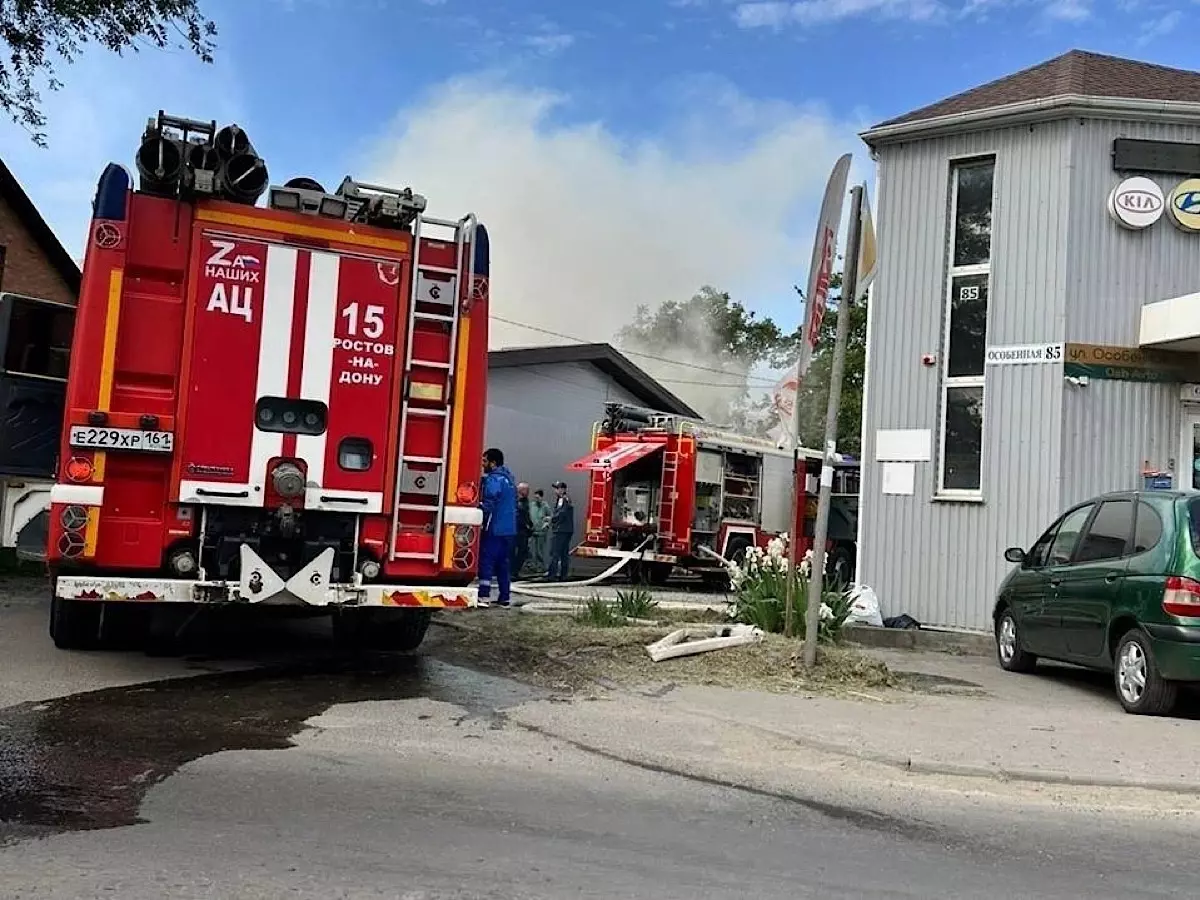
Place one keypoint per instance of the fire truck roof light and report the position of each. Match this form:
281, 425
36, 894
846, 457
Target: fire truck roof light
334, 207
284, 199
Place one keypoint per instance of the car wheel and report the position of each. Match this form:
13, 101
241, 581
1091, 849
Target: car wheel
1140, 687
1012, 656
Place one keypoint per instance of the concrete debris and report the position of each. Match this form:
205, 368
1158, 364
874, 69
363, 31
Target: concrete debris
701, 639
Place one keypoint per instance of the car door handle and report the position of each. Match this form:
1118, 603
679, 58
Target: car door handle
1055, 582
1111, 577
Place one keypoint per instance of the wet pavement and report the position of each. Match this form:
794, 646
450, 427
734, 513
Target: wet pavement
323, 776
85, 761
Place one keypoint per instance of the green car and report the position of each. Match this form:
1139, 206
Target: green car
1114, 584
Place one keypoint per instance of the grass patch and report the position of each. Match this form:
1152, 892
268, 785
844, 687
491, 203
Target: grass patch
571, 652
599, 613
638, 603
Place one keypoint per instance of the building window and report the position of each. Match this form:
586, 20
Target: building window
965, 338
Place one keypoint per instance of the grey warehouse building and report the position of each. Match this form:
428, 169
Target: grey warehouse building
543, 401
1034, 322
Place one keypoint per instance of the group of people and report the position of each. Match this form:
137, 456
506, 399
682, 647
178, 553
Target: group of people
520, 528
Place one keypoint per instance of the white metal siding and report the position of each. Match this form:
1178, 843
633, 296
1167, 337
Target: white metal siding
941, 561
1112, 428
1113, 271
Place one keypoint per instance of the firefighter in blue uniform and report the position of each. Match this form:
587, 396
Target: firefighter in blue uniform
499, 526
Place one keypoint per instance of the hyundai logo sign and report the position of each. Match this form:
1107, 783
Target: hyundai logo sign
1185, 205
1138, 203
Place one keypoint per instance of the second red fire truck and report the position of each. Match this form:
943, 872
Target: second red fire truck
276, 405
680, 490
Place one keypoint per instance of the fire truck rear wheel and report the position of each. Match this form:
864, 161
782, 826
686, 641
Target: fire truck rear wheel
74, 624
652, 573
395, 630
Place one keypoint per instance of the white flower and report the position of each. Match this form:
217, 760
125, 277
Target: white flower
826, 612
737, 576
776, 552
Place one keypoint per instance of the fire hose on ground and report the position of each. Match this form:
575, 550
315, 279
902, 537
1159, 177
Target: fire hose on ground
628, 557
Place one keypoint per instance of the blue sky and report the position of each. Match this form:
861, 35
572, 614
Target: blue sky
621, 153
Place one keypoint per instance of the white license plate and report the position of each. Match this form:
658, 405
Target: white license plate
87, 437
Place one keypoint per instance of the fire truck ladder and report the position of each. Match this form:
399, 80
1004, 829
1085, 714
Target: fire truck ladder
430, 310
670, 490
597, 495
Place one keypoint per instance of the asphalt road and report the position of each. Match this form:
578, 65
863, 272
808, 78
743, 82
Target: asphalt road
393, 778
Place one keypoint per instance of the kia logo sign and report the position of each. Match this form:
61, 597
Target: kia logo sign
1136, 203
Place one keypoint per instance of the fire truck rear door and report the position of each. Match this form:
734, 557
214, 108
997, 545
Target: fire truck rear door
291, 355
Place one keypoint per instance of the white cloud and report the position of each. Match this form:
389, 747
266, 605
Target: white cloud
1160, 27
549, 40
549, 44
585, 226
1068, 10
776, 14
762, 15
807, 13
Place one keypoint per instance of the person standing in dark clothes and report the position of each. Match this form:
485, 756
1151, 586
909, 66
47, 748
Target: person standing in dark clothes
524, 531
562, 528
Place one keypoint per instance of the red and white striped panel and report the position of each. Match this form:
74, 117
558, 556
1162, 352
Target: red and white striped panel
277, 321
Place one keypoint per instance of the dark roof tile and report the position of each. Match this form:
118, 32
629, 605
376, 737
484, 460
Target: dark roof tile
1077, 73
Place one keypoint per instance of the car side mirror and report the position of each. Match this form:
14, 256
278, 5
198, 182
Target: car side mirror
1014, 555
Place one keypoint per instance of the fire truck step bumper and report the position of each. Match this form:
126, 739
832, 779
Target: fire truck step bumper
171, 590
613, 553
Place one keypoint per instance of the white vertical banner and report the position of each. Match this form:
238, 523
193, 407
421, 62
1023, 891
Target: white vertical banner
820, 269
820, 272
783, 403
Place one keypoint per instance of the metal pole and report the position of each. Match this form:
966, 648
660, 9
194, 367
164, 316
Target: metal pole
789, 624
821, 527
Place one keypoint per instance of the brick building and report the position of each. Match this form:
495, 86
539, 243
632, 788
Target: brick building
32, 261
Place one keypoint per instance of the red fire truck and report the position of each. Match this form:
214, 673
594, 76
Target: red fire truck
678, 490
276, 406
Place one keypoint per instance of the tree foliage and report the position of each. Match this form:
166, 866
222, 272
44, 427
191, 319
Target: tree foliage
40, 34
714, 331
711, 322
814, 390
